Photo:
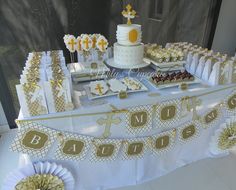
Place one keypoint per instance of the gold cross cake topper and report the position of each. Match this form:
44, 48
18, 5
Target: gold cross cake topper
129, 14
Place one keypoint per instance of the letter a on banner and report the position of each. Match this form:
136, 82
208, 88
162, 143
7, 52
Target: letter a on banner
73, 147
33, 139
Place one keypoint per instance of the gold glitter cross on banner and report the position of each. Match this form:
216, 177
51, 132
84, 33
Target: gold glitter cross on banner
129, 14
108, 123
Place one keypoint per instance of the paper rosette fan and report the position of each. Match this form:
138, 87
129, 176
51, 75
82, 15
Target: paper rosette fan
41, 175
225, 137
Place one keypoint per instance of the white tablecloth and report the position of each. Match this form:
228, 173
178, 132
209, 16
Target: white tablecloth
104, 175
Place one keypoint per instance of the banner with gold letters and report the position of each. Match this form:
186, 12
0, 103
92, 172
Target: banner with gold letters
210, 118
139, 119
105, 149
188, 131
33, 139
163, 142
36, 140
230, 103
73, 147
135, 148
167, 113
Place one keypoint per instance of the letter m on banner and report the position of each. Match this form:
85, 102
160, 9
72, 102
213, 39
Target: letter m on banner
33, 139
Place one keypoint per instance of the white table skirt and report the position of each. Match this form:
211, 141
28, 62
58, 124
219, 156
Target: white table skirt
105, 175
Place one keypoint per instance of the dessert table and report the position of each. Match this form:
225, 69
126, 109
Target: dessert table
92, 174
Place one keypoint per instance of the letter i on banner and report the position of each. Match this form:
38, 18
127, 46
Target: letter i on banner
33, 139
163, 142
168, 113
139, 119
105, 149
73, 147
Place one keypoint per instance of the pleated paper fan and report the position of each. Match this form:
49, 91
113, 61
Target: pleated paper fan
224, 138
40, 168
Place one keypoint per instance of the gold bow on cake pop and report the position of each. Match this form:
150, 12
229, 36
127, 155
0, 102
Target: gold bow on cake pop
129, 14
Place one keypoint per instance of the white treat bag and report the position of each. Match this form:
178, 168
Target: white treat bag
85, 56
58, 95
208, 68
194, 63
32, 99
232, 74
189, 61
201, 66
220, 73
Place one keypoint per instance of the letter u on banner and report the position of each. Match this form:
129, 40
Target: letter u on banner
33, 139
73, 147
105, 149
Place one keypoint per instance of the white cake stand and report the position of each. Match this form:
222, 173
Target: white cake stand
111, 63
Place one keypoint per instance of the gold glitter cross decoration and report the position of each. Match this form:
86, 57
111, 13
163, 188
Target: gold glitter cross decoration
102, 44
129, 14
108, 122
72, 43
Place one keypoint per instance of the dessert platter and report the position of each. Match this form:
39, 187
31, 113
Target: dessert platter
164, 59
121, 127
172, 79
101, 89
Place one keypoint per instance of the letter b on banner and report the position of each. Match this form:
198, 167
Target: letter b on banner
35, 139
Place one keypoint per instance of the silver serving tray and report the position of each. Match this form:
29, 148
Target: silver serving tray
92, 96
170, 85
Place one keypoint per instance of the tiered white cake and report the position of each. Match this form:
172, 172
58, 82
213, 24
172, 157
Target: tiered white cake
128, 50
